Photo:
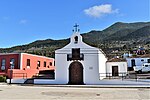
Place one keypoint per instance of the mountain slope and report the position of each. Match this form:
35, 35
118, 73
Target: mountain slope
119, 34
139, 34
121, 26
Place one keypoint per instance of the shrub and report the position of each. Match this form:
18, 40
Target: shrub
2, 79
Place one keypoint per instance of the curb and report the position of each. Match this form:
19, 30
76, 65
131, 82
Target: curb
89, 86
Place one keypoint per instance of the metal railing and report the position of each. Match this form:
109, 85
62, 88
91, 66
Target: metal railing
127, 76
113, 75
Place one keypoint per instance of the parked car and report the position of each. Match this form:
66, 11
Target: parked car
144, 68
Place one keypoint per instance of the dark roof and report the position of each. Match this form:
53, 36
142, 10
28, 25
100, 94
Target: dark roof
116, 60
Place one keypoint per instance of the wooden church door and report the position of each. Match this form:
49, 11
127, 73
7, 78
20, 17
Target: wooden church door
76, 73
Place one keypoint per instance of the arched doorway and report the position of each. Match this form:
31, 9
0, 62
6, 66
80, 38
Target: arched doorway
76, 73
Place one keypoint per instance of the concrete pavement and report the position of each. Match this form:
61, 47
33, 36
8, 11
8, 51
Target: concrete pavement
60, 92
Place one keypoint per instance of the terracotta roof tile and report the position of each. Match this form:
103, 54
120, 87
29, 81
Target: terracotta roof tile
116, 60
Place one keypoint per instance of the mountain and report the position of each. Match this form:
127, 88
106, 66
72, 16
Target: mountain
116, 31
143, 32
115, 37
122, 26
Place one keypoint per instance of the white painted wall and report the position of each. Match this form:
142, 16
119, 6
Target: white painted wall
90, 65
122, 67
61, 71
18, 81
102, 65
138, 61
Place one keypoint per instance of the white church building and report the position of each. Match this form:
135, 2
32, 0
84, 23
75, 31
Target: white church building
78, 63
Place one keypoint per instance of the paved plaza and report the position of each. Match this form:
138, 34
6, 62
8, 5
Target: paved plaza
17, 92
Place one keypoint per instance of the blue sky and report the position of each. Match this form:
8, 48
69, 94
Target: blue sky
24, 21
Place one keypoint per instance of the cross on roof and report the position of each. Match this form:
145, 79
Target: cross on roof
76, 26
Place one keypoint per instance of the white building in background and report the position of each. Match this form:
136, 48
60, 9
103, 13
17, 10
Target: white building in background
137, 60
79, 63
116, 67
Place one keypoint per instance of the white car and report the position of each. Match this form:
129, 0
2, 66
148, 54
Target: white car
144, 68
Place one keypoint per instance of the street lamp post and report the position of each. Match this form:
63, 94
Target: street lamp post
10, 72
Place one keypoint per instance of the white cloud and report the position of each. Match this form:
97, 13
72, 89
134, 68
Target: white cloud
100, 10
23, 21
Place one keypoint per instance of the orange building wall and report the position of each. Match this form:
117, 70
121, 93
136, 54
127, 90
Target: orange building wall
34, 61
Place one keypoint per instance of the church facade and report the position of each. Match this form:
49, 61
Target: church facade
79, 63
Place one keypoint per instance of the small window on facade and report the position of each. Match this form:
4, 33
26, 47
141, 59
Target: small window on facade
3, 64
50, 63
28, 62
44, 63
146, 65
142, 59
12, 63
76, 39
38, 64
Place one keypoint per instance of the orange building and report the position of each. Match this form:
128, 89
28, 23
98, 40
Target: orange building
23, 65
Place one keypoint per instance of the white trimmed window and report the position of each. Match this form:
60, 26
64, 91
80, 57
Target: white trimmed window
3, 64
